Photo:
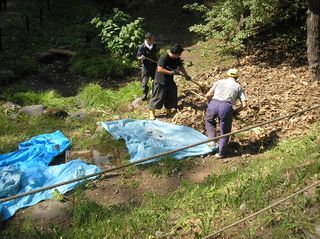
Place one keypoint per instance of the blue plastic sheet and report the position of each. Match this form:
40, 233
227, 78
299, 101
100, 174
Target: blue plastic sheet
29, 169
10, 180
146, 138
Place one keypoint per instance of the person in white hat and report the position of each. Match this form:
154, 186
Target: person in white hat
221, 97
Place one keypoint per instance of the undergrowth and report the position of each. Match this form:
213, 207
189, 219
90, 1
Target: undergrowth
101, 67
94, 96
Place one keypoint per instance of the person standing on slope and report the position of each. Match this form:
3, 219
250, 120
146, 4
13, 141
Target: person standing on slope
164, 92
148, 68
221, 97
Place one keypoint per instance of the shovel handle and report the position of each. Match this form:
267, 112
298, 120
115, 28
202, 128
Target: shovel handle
201, 86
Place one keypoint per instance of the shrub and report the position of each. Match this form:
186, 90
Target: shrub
119, 34
237, 21
21, 66
101, 67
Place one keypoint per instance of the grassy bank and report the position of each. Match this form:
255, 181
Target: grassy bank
194, 211
100, 104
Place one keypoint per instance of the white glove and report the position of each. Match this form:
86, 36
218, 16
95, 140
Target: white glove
142, 57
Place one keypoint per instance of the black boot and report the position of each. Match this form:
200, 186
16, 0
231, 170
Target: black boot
145, 96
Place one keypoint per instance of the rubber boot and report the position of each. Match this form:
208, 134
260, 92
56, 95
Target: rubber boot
152, 115
145, 92
145, 97
168, 112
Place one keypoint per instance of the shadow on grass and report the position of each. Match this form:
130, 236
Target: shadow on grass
256, 146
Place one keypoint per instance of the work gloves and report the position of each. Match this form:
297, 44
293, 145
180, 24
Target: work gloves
235, 114
187, 77
175, 72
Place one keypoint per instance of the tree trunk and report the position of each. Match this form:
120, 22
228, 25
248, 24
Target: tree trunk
313, 22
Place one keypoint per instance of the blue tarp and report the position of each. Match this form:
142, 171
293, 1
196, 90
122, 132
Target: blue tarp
146, 138
28, 169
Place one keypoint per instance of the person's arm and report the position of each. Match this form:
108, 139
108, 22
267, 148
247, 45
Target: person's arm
162, 70
183, 72
209, 94
243, 105
161, 66
140, 55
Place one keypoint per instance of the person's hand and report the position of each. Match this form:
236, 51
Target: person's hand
142, 57
235, 114
175, 72
187, 77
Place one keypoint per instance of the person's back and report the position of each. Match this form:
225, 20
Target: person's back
227, 90
221, 97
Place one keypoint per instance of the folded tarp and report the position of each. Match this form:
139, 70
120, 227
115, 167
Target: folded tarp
146, 138
28, 169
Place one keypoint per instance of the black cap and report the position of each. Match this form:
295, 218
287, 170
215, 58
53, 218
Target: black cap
176, 49
148, 35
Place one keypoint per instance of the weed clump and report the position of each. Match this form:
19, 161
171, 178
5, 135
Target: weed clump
94, 96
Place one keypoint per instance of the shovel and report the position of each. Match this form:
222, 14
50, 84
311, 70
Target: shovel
200, 86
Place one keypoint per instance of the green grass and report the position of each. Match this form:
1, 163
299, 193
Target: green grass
170, 166
196, 210
16, 128
47, 98
89, 97
101, 67
94, 96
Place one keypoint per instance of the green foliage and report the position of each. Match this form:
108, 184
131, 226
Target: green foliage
120, 35
101, 66
170, 166
94, 96
86, 211
66, 24
47, 98
21, 66
237, 21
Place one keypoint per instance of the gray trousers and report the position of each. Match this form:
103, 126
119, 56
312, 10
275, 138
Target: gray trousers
146, 73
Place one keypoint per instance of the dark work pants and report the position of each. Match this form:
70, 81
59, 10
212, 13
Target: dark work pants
145, 74
164, 95
222, 110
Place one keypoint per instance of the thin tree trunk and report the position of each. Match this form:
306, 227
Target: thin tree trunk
313, 23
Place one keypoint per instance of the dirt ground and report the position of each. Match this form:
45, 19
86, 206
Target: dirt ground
116, 190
